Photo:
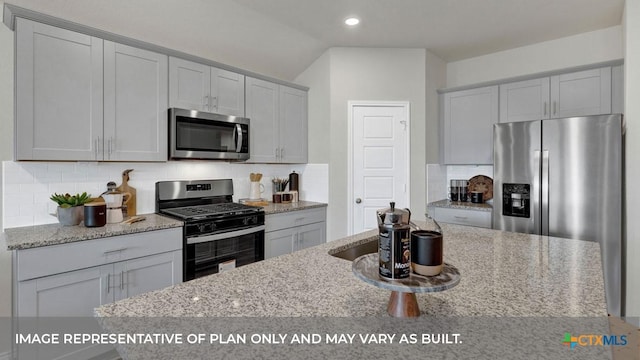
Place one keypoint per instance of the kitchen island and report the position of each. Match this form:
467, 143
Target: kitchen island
503, 275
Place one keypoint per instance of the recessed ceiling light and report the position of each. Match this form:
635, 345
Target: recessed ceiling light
352, 21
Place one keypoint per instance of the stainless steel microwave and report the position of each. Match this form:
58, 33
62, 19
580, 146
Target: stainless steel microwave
201, 135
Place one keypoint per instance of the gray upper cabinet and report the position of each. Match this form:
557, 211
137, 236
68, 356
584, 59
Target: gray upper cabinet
468, 118
578, 93
524, 100
196, 86
581, 93
293, 125
59, 93
135, 102
278, 116
82, 98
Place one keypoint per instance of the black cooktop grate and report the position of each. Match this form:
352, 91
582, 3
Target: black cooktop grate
211, 210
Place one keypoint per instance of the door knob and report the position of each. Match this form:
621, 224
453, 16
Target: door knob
358, 201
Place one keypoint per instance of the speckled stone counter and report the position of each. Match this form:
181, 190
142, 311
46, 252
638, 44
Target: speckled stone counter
461, 205
53, 234
274, 208
502, 274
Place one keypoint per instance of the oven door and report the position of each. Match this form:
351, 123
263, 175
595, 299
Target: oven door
201, 135
210, 254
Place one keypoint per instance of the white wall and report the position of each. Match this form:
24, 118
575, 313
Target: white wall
582, 49
632, 118
365, 74
316, 77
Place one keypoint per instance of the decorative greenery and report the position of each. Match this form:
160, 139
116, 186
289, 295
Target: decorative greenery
67, 200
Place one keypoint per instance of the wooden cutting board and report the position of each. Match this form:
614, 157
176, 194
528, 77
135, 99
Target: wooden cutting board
124, 187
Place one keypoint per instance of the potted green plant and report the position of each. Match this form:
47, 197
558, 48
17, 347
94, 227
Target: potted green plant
70, 207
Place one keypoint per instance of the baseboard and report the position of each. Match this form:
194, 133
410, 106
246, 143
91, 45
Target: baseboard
5, 355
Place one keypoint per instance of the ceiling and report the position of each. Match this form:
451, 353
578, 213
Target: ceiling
281, 38
451, 29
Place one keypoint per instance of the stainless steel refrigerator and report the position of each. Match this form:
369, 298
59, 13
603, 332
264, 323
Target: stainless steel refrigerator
563, 178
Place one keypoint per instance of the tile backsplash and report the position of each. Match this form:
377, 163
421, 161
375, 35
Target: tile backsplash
27, 186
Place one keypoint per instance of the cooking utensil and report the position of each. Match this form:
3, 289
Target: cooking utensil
130, 203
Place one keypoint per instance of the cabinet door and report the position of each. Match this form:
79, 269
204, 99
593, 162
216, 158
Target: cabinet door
135, 111
293, 125
58, 94
262, 111
279, 242
75, 293
227, 92
524, 100
148, 273
189, 85
469, 116
72, 294
581, 93
311, 235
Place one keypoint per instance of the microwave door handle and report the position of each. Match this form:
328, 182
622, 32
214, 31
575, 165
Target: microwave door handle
238, 136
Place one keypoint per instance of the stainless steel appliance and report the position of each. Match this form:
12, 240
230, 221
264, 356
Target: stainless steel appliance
218, 233
563, 178
201, 135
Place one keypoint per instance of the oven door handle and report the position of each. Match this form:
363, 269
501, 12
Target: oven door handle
225, 235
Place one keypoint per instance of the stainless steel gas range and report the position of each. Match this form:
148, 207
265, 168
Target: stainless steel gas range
219, 234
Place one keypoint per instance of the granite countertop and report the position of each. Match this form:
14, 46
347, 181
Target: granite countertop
461, 205
53, 234
502, 274
274, 208
512, 287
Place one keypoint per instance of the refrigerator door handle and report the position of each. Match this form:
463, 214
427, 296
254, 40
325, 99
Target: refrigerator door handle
545, 193
535, 192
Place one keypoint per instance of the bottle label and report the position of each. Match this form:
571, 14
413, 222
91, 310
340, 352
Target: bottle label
394, 253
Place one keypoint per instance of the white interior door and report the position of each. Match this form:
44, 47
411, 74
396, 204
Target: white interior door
380, 161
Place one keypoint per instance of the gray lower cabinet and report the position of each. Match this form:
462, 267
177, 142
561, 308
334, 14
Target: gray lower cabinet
293, 231
70, 280
83, 98
475, 218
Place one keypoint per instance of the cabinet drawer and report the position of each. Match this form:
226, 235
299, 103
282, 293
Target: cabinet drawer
294, 218
55, 259
464, 217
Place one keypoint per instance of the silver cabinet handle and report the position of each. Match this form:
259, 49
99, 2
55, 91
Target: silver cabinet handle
108, 283
215, 104
96, 146
122, 280
114, 251
281, 153
460, 217
205, 102
554, 108
358, 201
277, 153
545, 109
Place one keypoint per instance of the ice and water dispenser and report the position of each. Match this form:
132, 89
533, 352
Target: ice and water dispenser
516, 200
